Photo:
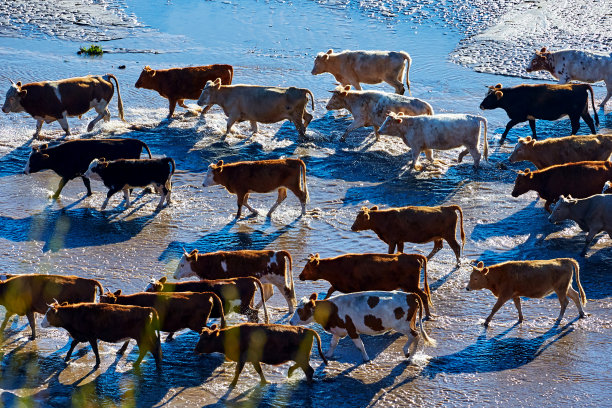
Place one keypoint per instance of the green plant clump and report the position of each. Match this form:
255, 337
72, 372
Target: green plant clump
91, 50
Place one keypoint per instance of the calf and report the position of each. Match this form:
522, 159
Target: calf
579, 65
111, 323
360, 272
543, 101
264, 104
237, 294
71, 159
439, 132
178, 84
368, 67
369, 313
262, 343
49, 101
420, 225
592, 214
581, 180
261, 176
534, 279
29, 294
124, 174
270, 267
569, 149
176, 311
370, 108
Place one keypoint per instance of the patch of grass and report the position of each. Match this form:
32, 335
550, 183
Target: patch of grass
93, 49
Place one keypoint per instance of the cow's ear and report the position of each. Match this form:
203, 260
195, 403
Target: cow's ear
569, 197
485, 271
527, 171
480, 265
18, 84
328, 52
162, 280
45, 156
217, 83
44, 146
498, 86
117, 292
220, 163
64, 304
22, 93
499, 95
313, 297
397, 119
214, 327
543, 50
374, 208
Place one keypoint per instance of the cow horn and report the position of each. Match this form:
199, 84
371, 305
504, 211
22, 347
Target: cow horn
12, 83
185, 251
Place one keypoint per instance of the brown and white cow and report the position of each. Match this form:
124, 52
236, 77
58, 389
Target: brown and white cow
534, 279
569, 149
176, 311
237, 294
542, 101
369, 313
578, 65
264, 104
124, 174
261, 176
370, 108
580, 180
262, 343
592, 214
49, 101
417, 224
178, 84
368, 67
270, 267
360, 272
29, 294
90, 322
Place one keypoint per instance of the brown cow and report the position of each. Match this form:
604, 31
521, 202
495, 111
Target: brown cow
261, 176
569, 149
534, 279
360, 272
29, 294
268, 266
178, 84
111, 323
580, 180
237, 294
420, 225
262, 343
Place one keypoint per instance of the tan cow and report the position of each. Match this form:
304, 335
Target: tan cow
414, 224
261, 176
368, 67
534, 279
569, 149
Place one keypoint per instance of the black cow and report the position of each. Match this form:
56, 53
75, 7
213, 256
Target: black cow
544, 101
71, 159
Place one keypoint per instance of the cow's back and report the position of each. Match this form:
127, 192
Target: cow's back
259, 176
413, 224
544, 101
534, 279
188, 82
580, 180
231, 264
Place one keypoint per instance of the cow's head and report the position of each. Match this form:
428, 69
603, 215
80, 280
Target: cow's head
38, 160
156, 285
93, 171
522, 149
145, 80
493, 97
210, 179
338, 101
320, 63
311, 269
110, 297
362, 222
561, 209
392, 124
184, 269
51, 316
523, 183
207, 96
478, 277
12, 103
540, 61
211, 340
304, 313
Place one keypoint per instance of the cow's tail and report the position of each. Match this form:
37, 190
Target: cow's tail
408, 62
428, 340
576, 267
217, 299
263, 299
287, 255
231, 75
144, 145
99, 286
303, 185
318, 338
119, 101
311, 98
170, 161
590, 88
425, 281
156, 324
461, 230
486, 140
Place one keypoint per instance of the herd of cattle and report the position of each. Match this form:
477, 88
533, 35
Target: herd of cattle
381, 292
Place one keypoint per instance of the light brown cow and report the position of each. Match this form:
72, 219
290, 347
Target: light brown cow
414, 224
569, 149
261, 176
534, 279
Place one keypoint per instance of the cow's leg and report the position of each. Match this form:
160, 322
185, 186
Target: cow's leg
246, 204
475, 155
416, 151
355, 124
517, 303
509, 125
60, 187
588, 240
412, 344
329, 292
452, 242
32, 321
268, 292
588, 120
360, 346
110, 193
282, 194
400, 247
101, 115
257, 366
170, 336
547, 205
143, 347
462, 155
7, 316
297, 122
172, 107
94, 347
73, 344
396, 83
424, 298
206, 109
239, 367
307, 118
240, 201
438, 244
376, 132
64, 124
533, 128
87, 185
500, 302
564, 301
576, 298
165, 195
230, 122
181, 103
126, 197
575, 121
39, 124
392, 246
123, 348
332, 345
253, 126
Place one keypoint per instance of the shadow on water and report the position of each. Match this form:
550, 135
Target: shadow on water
14, 161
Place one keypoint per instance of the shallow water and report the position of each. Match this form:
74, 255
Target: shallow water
274, 42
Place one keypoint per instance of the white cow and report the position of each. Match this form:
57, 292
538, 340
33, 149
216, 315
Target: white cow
592, 214
439, 132
578, 65
371, 312
370, 108
368, 67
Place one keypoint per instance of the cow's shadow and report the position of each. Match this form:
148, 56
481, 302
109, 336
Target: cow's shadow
14, 161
